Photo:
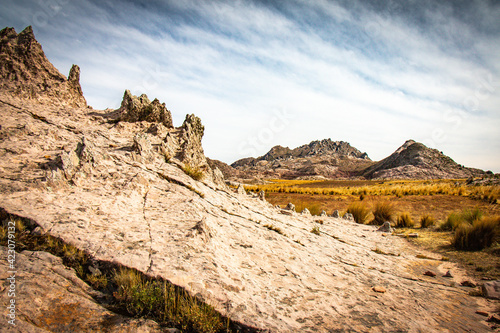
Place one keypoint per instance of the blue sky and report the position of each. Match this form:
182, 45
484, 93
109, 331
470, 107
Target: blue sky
263, 73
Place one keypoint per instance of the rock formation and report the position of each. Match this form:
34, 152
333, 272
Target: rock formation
127, 193
316, 160
26, 72
140, 108
413, 160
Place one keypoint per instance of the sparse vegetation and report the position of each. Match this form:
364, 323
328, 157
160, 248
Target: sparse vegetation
404, 220
127, 290
275, 229
359, 211
315, 230
384, 211
193, 172
465, 217
427, 221
476, 236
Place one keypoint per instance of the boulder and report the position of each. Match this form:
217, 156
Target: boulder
386, 227
323, 213
290, 207
348, 217
336, 214
306, 212
491, 289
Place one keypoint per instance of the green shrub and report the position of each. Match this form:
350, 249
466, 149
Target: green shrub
455, 220
193, 172
426, 221
384, 211
477, 236
359, 211
315, 230
404, 221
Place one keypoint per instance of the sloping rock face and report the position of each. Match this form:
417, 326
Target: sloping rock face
53, 299
148, 214
119, 192
414, 160
26, 72
316, 160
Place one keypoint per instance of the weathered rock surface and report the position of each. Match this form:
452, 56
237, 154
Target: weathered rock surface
119, 191
142, 213
26, 72
51, 298
140, 108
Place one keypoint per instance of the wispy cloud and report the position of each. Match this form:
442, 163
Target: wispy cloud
373, 76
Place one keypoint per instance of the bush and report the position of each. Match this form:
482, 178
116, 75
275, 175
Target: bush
359, 211
426, 221
477, 236
315, 230
193, 172
384, 211
404, 221
465, 217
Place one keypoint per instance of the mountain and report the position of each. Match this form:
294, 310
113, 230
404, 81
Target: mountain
130, 190
414, 160
318, 159
26, 72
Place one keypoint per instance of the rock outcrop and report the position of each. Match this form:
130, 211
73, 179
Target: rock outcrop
26, 72
414, 160
316, 160
140, 108
122, 192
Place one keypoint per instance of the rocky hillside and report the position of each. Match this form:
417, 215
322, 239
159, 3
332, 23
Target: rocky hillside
132, 190
318, 159
27, 73
414, 160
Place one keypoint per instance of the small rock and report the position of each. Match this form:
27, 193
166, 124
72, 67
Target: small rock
290, 207
336, 214
348, 217
494, 319
262, 195
286, 212
429, 273
448, 275
323, 213
241, 190
491, 289
379, 289
386, 227
483, 313
467, 283
306, 212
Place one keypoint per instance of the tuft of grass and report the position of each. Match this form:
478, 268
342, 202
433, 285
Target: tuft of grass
315, 230
384, 211
314, 209
457, 219
193, 172
143, 296
426, 221
404, 220
275, 229
359, 211
477, 236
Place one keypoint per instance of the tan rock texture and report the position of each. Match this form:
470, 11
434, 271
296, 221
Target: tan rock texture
126, 192
51, 298
147, 213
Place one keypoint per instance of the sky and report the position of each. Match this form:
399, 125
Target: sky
261, 73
